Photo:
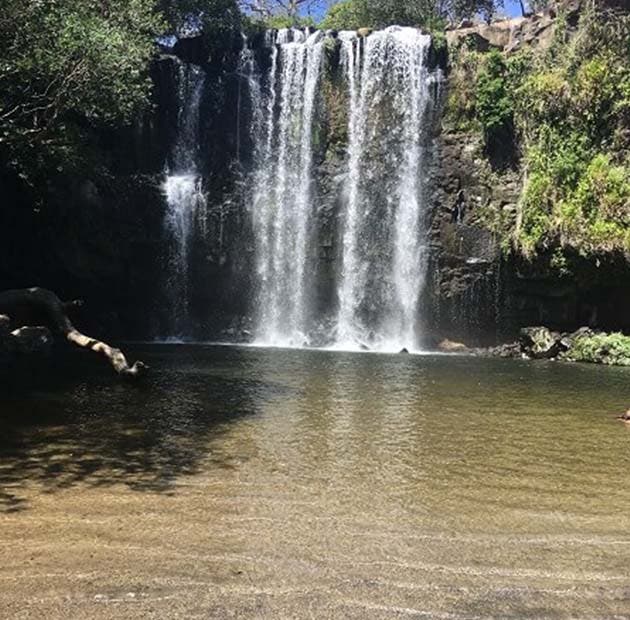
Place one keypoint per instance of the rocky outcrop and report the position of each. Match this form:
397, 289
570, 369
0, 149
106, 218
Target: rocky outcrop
540, 343
510, 35
465, 254
478, 293
448, 346
582, 345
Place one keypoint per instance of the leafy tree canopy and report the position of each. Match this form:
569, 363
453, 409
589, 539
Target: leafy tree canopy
69, 62
214, 17
350, 14
69, 66
294, 10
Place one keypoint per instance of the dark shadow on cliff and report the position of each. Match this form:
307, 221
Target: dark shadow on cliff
503, 151
103, 431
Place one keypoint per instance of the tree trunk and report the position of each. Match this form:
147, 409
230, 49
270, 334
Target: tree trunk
47, 307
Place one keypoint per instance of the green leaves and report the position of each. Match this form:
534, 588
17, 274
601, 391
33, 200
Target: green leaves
346, 15
68, 67
428, 14
569, 109
493, 97
610, 349
215, 18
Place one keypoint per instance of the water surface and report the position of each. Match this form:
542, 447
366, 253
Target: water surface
252, 483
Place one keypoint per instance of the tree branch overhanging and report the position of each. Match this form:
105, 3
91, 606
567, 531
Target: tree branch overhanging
47, 306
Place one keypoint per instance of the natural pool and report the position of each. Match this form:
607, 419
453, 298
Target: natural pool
254, 483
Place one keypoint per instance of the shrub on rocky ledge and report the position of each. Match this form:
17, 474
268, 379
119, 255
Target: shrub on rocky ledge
609, 349
583, 345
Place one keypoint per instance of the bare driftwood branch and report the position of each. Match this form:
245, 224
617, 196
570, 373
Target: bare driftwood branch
49, 308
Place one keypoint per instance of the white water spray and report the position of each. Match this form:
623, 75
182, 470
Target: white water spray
185, 199
281, 204
381, 263
384, 247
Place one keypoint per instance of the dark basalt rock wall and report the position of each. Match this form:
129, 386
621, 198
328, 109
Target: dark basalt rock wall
101, 236
477, 293
465, 272
89, 240
595, 294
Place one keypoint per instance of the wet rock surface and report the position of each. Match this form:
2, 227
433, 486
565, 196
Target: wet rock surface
448, 346
582, 345
540, 343
465, 255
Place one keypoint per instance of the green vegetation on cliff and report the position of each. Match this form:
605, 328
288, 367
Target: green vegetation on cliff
67, 64
69, 69
565, 111
609, 349
430, 14
574, 118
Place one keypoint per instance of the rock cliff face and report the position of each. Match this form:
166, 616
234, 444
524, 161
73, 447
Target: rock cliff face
102, 237
100, 234
479, 293
89, 239
466, 284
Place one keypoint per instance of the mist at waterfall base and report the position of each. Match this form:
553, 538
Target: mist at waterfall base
380, 247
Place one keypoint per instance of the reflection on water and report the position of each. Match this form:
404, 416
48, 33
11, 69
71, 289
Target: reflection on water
317, 484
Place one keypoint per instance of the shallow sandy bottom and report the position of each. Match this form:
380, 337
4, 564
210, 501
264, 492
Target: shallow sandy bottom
260, 484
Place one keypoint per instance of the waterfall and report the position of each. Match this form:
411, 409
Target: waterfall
384, 251
251, 95
185, 199
281, 203
381, 254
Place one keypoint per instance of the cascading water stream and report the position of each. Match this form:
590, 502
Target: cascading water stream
352, 279
382, 258
281, 202
185, 199
384, 247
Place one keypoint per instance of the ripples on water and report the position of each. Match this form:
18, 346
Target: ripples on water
270, 483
